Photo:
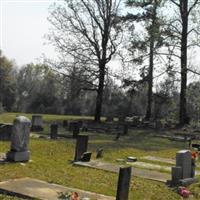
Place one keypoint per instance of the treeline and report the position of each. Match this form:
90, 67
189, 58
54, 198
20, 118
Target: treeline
36, 88
151, 40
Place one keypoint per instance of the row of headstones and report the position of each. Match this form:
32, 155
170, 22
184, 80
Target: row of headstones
81, 154
19, 153
6, 129
75, 128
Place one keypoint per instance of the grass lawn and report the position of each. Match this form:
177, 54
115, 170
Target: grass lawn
50, 161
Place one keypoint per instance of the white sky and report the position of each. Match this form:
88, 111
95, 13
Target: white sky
23, 24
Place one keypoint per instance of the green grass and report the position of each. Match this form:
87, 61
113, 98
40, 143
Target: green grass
9, 117
50, 161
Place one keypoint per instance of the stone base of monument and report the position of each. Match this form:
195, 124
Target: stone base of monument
182, 182
18, 156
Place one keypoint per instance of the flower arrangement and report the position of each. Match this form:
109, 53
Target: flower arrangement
71, 196
195, 155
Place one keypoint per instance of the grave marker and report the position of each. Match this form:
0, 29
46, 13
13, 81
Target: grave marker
37, 123
184, 160
81, 146
54, 131
123, 183
19, 140
5, 132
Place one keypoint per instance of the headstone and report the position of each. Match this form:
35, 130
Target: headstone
5, 132
86, 157
65, 123
125, 129
176, 175
118, 136
121, 118
158, 124
109, 119
76, 129
84, 127
81, 146
37, 123
184, 160
99, 153
19, 140
123, 183
54, 131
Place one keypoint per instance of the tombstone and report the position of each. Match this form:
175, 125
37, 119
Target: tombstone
81, 146
84, 127
176, 175
135, 121
118, 136
37, 123
54, 131
121, 118
158, 125
109, 119
99, 153
65, 123
184, 160
19, 140
125, 129
5, 132
76, 129
123, 183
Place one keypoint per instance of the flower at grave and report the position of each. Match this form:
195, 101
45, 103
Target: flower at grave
75, 196
184, 192
195, 155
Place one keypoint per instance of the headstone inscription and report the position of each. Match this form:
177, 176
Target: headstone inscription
19, 140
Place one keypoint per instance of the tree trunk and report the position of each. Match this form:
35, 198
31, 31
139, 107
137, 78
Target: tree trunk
150, 81
183, 103
99, 98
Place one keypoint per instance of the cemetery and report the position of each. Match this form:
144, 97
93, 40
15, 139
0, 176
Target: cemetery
53, 162
99, 100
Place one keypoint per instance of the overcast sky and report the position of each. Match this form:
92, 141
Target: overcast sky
23, 26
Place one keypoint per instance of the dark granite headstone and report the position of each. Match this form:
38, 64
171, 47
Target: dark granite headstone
65, 123
176, 175
81, 146
123, 183
76, 129
125, 129
54, 131
37, 123
184, 160
5, 132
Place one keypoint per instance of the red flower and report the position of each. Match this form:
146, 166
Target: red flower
75, 196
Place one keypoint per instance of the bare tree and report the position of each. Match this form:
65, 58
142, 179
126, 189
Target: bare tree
87, 31
185, 8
